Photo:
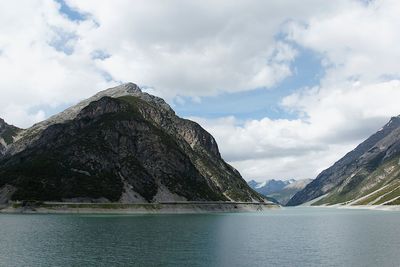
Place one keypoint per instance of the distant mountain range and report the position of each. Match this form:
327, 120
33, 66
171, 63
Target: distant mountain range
121, 145
279, 190
370, 174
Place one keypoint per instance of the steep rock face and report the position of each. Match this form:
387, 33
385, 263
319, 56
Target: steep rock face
374, 164
28, 136
123, 146
7, 135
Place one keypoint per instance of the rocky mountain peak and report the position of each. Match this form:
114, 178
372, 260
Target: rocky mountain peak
131, 87
120, 90
394, 122
26, 137
123, 145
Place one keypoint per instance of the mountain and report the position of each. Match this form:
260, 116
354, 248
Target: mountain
7, 135
121, 145
370, 174
279, 190
269, 186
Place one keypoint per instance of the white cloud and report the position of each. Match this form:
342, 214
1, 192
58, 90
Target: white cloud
35, 67
191, 48
195, 48
358, 43
187, 48
348, 113
204, 47
334, 121
21, 115
267, 149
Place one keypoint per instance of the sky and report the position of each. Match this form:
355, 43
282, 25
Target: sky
286, 87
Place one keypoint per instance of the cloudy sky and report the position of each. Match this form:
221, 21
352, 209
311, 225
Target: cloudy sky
286, 87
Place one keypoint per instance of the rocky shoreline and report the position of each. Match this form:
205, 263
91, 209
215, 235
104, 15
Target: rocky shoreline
136, 208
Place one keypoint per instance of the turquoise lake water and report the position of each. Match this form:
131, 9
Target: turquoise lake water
286, 237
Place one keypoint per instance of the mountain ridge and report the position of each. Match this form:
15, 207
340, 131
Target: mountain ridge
121, 145
362, 171
279, 190
27, 136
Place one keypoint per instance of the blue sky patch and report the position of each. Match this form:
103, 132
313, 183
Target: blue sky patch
69, 12
64, 41
99, 54
257, 104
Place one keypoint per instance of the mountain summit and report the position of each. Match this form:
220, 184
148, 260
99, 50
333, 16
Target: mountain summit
121, 145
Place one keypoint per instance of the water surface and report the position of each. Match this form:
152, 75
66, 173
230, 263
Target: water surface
286, 237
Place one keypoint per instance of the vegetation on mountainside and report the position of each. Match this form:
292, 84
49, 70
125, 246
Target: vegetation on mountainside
48, 171
368, 188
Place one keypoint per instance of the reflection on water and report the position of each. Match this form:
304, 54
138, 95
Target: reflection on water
286, 237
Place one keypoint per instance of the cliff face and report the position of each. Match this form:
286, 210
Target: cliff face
370, 174
121, 145
7, 135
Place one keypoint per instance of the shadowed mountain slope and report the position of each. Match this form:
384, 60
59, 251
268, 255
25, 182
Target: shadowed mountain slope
122, 145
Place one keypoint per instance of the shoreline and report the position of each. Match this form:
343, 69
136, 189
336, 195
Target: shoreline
135, 208
358, 207
373, 207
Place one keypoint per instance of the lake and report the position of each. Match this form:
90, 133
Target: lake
285, 237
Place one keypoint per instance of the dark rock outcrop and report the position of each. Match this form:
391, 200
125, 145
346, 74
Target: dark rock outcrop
7, 135
121, 146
